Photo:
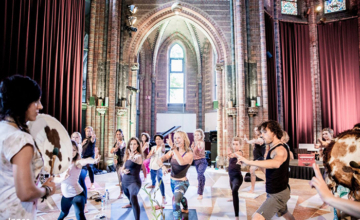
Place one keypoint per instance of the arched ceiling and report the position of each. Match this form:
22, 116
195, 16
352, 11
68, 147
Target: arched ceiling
173, 25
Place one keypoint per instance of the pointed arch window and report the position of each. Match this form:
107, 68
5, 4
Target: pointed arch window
331, 6
176, 75
289, 7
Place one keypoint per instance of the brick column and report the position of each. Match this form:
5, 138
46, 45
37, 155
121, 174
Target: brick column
134, 72
220, 129
264, 85
315, 73
102, 111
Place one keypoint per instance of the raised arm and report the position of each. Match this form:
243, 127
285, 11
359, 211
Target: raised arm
279, 158
187, 159
82, 162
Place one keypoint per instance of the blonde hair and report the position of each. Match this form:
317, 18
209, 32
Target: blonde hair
285, 137
78, 133
89, 127
238, 139
186, 139
331, 131
199, 130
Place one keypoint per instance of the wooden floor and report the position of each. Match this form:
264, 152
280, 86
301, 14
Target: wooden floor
304, 203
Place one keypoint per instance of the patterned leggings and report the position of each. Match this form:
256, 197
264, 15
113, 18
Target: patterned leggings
201, 165
179, 189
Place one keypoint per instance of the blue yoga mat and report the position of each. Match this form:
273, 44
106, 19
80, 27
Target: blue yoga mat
119, 213
192, 215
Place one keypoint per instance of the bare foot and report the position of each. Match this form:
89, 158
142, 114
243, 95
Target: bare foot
120, 196
164, 201
251, 191
150, 187
200, 197
91, 186
185, 210
118, 184
86, 209
229, 200
127, 206
158, 207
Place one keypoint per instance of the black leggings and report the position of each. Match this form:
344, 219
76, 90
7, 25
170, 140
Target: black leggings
90, 168
235, 184
131, 191
78, 202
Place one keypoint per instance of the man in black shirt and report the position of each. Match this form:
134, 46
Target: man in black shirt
277, 173
88, 150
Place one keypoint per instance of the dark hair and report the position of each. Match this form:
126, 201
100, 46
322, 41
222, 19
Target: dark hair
357, 126
119, 130
158, 135
274, 127
16, 95
146, 135
77, 156
138, 149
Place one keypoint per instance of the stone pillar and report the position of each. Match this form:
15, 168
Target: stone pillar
121, 119
220, 130
102, 111
252, 111
134, 72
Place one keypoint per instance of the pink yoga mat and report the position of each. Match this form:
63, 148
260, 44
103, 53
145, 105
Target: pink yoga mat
88, 184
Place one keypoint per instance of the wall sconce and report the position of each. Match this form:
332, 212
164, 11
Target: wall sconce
318, 9
131, 20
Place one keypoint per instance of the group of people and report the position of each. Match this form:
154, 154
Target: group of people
22, 162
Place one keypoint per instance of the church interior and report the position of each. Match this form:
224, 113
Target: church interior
160, 66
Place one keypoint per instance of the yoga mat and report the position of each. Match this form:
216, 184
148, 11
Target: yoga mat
259, 190
57, 201
315, 202
88, 184
222, 183
224, 210
119, 213
146, 199
191, 195
328, 216
192, 215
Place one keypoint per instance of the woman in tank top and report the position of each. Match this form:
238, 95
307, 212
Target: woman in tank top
119, 151
198, 147
73, 192
145, 138
181, 159
131, 182
234, 171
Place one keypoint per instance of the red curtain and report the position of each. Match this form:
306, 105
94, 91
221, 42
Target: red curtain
270, 65
296, 76
43, 39
339, 74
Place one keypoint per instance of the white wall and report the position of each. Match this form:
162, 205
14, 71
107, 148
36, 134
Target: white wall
165, 121
210, 121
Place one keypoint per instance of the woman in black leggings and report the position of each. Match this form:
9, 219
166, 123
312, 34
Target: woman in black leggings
131, 182
235, 175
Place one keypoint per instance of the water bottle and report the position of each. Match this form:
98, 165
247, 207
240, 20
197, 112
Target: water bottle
103, 203
107, 194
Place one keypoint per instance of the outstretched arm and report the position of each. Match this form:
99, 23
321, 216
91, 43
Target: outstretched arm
274, 163
348, 206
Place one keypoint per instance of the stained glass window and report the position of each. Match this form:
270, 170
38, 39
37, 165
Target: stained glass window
289, 7
176, 75
334, 6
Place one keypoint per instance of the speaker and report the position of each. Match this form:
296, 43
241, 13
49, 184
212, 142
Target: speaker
213, 151
213, 136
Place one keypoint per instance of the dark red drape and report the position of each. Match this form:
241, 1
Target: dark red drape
339, 74
297, 90
270, 65
43, 39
